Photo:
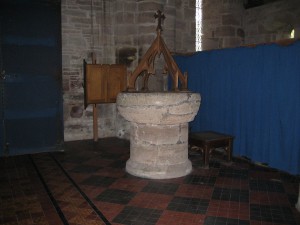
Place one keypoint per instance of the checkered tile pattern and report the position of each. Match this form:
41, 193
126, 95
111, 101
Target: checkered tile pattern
88, 184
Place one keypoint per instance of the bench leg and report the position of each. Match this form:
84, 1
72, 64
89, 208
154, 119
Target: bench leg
229, 151
206, 153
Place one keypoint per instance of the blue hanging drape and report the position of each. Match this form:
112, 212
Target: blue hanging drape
253, 94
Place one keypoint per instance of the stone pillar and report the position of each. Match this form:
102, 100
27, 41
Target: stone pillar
222, 25
159, 151
159, 132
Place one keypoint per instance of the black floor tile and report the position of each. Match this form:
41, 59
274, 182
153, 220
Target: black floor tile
161, 188
230, 194
191, 205
195, 179
272, 214
233, 173
266, 185
211, 220
138, 216
116, 196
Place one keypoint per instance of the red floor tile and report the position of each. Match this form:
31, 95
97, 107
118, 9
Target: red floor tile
78, 185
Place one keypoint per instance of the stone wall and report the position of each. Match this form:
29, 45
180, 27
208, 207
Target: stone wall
86, 28
116, 31
228, 24
272, 22
121, 31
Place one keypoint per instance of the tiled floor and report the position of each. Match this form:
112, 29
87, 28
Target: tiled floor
87, 184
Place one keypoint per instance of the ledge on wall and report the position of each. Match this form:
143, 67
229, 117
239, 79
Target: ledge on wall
254, 3
283, 42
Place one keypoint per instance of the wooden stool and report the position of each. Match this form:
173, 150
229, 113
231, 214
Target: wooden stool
208, 141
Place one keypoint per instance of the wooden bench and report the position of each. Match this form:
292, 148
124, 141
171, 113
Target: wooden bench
208, 141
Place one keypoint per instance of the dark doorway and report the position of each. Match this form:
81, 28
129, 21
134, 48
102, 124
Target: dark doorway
30, 82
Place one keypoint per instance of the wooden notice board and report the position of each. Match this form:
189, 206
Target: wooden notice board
103, 82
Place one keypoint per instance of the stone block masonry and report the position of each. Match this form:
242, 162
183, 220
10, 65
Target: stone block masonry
106, 28
122, 30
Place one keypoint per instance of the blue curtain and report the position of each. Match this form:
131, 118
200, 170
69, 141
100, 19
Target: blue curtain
253, 94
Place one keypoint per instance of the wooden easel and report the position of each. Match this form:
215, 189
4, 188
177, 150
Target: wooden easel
102, 83
95, 122
95, 111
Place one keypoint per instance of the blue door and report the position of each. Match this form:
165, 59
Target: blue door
30, 82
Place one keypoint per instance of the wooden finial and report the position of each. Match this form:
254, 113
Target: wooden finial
160, 16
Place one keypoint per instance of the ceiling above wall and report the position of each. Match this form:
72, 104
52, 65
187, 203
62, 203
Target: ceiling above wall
25, 2
254, 3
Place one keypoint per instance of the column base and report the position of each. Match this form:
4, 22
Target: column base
158, 171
